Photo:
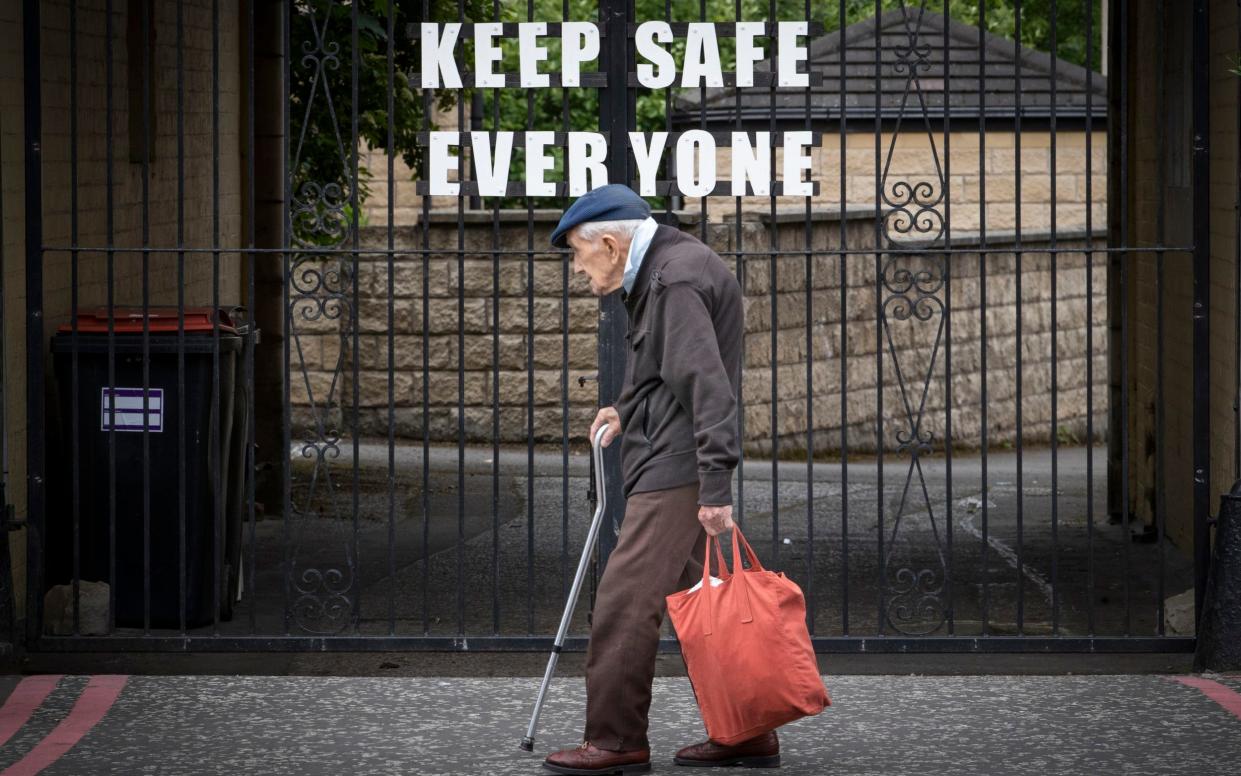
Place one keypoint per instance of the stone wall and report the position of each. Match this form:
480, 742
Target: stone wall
540, 348
933, 325
325, 381
977, 170
1075, 170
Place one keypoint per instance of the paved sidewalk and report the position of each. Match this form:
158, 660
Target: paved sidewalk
890, 725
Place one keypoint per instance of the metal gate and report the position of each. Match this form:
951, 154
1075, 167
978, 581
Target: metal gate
383, 445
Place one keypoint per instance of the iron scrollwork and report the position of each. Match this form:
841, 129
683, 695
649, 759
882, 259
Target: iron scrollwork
321, 282
911, 285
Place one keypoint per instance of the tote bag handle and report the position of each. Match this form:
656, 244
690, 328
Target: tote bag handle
736, 575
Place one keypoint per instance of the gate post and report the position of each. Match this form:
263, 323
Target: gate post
616, 118
35, 426
1201, 309
264, 219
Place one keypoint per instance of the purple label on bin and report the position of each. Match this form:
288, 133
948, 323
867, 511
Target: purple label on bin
127, 414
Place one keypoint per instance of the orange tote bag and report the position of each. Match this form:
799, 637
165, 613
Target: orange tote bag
746, 646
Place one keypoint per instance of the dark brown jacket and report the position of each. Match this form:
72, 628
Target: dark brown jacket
678, 404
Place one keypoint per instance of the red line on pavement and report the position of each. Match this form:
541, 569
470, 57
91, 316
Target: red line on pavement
27, 696
1225, 696
100, 693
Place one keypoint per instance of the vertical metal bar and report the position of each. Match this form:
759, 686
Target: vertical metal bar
841, 102
426, 397
739, 507
110, 228
615, 120
1236, 263
669, 161
248, 342
947, 103
1160, 189
702, 124
147, 10
982, 296
1202, 298
461, 370
183, 587
1055, 355
1124, 257
774, 241
495, 378
75, 421
882, 587
286, 489
739, 510
1017, 245
390, 50
219, 480
1160, 240
1090, 441
36, 429
530, 372
810, 597
354, 315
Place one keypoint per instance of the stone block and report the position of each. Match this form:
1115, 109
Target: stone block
314, 388
583, 351
92, 607
376, 315
372, 388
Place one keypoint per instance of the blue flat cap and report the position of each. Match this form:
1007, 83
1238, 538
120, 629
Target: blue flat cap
613, 202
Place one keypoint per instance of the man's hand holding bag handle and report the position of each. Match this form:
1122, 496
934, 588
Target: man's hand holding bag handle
747, 648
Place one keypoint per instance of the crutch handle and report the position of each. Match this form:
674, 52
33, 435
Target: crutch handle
597, 480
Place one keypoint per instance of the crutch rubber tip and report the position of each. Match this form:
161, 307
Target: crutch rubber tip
527, 743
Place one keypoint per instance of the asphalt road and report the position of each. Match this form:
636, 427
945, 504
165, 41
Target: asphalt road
79, 725
1032, 557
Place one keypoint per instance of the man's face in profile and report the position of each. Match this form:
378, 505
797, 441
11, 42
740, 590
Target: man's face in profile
602, 259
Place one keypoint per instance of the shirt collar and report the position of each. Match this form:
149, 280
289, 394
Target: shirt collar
637, 250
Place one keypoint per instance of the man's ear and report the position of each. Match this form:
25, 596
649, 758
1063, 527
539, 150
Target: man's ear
612, 243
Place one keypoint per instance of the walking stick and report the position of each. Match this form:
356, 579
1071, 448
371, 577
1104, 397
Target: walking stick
592, 536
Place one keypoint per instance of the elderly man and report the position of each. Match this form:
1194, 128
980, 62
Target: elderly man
677, 417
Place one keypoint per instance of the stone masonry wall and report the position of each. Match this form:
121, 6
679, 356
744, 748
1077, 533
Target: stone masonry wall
1075, 169
978, 170
919, 339
565, 340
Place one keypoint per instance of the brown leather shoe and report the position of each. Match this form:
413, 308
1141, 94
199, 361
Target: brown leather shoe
589, 759
758, 752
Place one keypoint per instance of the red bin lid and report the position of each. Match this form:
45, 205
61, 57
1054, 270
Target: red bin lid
160, 319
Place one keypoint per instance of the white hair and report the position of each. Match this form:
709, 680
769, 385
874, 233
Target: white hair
593, 230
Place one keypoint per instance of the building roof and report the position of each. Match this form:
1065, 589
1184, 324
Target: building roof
921, 40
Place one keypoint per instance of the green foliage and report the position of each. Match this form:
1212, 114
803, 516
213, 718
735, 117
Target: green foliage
327, 132
1066, 436
321, 98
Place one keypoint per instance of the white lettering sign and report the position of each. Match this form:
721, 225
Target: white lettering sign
696, 173
693, 167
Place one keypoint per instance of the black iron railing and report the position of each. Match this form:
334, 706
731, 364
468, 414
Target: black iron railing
896, 514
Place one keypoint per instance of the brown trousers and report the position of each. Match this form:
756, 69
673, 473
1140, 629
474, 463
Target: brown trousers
659, 552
